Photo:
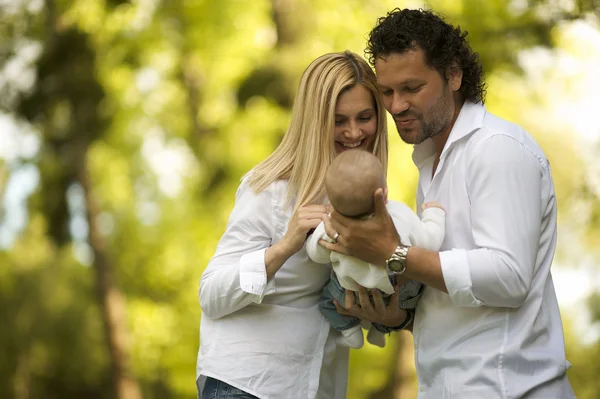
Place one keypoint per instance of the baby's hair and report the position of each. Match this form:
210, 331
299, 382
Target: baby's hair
351, 181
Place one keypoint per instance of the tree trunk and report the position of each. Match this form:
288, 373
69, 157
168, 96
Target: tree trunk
22, 378
66, 77
112, 303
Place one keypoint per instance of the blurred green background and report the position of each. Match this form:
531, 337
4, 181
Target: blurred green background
126, 125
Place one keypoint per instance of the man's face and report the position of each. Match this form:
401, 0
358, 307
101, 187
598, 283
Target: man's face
416, 95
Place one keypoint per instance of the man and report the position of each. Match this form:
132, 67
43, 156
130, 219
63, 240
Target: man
488, 323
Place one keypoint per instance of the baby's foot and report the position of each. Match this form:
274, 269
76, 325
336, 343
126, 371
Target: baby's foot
352, 338
376, 338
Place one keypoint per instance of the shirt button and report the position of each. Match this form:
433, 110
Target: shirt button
422, 389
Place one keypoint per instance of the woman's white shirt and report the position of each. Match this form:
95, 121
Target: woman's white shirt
267, 338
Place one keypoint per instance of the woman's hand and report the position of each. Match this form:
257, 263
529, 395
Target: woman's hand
306, 218
374, 310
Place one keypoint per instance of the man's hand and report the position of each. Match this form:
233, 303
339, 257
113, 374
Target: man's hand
372, 240
374, 311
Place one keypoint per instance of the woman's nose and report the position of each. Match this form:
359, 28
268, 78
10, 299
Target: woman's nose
353, 132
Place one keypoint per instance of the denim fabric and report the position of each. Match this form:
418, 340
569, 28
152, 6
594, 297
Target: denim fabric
215, 389
333, 290
408, 298
410, 294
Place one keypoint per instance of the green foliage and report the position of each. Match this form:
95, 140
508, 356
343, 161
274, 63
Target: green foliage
191, 95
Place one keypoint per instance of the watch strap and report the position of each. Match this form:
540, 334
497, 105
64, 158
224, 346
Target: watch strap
410, 315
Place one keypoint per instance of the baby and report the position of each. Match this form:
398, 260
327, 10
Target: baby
351, 181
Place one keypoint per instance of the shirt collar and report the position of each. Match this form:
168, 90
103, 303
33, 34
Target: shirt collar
469, 120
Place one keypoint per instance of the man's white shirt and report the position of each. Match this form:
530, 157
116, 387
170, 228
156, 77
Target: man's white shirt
498, 331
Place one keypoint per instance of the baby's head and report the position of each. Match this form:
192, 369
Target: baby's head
351, 181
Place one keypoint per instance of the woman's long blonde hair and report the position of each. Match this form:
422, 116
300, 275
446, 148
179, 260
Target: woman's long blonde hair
308, 147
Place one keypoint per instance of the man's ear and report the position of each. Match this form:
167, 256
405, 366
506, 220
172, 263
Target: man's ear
385, 194
454, 75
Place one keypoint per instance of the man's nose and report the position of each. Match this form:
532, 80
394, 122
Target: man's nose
398, 104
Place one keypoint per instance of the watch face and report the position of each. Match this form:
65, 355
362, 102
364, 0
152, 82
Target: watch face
395, 266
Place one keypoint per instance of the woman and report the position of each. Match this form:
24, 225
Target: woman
262, 334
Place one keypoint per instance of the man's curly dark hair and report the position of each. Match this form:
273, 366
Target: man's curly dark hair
403, 30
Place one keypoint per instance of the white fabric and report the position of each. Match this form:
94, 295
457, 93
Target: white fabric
267, 338
352, 273
498, 333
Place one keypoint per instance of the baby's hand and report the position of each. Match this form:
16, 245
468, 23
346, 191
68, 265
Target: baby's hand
432, 204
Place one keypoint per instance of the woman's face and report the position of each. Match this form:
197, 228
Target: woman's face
355, 120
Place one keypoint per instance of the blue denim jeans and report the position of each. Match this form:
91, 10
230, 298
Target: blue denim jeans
408, 297
215, 389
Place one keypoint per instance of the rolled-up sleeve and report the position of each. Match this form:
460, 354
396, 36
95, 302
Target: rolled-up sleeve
236, 275
314, 250
504, 186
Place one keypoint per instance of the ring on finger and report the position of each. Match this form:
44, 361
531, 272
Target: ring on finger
335, 238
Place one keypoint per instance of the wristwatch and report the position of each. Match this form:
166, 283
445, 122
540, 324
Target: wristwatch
396, 264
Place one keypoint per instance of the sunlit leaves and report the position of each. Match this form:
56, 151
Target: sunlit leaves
195, 94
